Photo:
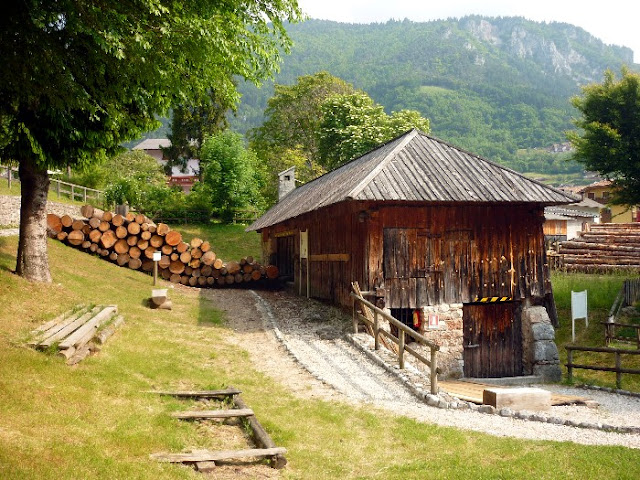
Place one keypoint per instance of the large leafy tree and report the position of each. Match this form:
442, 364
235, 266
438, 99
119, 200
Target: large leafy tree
609, 140
354, 124
230, 173
289, 135
190, 124
294, 113
81, 76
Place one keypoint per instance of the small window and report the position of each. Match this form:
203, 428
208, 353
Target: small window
591, 195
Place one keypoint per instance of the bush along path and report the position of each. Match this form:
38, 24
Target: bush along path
132, 240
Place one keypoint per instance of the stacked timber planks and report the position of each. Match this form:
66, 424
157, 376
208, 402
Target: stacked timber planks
605, 247
78, 332
131, 241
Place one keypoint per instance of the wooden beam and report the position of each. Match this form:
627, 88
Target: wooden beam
194, 414
218, 456
261, 437
330, 257
228, 392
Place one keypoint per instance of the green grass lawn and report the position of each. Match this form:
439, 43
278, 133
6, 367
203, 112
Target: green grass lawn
230, 242
601, 293
95, 420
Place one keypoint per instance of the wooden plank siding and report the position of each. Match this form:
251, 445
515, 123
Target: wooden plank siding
443, 253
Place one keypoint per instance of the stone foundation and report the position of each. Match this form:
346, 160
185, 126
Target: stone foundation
539, 351
447, 334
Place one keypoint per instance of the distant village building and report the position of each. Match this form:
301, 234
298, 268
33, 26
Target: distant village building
184, 178
601, 192
566, 222
560, 147
433, 231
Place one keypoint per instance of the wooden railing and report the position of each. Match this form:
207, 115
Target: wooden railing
618, 361
77, 192
610, 333
73, 191
359, 316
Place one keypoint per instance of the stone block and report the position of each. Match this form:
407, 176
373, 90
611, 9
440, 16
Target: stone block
545, 351
543, 331
548, 372
522, 398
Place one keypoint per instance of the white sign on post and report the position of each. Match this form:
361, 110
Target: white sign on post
578, 310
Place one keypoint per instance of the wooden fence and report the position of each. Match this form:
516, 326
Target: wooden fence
618, 361
71, 190
610, 333
364, 310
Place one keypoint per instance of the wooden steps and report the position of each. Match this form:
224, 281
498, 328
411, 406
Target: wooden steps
219, 455
214, 394
205, 460
77, 333
216, 414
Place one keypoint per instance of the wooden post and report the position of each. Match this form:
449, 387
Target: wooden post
618, 372
376, 335
84, 198
355, 317
58, 188
401, 350
570, 365
155, 273
434, 372
72, 192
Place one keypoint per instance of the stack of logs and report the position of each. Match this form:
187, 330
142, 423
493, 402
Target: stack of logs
605, 247
131, 240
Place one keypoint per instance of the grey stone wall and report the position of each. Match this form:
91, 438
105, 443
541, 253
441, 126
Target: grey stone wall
539, 352
10, 209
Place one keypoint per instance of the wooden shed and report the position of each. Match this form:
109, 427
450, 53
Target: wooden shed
432, 229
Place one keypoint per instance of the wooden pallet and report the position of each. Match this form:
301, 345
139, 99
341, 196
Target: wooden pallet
473, 392
78, 332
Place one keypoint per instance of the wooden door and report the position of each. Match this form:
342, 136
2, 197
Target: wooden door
285, 255
492, 340
412, 268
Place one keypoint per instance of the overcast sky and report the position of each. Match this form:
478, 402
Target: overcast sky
612, 21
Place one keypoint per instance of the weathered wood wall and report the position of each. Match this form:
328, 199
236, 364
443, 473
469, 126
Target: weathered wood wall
434, 254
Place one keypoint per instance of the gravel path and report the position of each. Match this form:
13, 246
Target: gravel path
8, 232
304, 343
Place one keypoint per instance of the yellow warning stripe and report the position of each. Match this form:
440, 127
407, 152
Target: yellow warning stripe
492, 299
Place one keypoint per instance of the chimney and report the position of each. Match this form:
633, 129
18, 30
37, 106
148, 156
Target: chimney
286, 182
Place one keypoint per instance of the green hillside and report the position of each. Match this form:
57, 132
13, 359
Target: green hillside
490, 85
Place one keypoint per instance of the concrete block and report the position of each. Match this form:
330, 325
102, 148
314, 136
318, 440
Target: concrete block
523, 398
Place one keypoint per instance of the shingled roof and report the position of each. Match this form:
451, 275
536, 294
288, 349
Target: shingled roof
414, 167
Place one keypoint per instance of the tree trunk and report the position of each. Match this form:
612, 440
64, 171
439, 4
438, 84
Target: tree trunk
32, 260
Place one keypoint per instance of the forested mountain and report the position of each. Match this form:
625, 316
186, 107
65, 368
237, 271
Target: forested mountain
489, 85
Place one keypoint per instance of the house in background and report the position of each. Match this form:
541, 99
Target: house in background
433, 231
184, 178
566, 222
601, 192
